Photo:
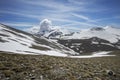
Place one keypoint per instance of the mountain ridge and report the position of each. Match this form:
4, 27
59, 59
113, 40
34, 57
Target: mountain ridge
47, 30
13, 40
91, 40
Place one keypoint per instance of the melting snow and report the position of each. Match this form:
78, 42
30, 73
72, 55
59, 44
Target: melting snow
22, 45
93, 42
95, 54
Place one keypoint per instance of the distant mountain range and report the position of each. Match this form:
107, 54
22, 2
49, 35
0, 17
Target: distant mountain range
47, 30
53, 40
92, 40
87, 40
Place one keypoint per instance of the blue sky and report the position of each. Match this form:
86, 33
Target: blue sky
71, 14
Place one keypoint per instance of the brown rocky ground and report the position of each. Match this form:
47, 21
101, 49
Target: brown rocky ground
40, 67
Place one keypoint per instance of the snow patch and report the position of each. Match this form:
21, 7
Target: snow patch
95, 54
108, 44
93, 42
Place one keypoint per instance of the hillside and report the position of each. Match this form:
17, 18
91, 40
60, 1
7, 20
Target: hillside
94, 39
16, 41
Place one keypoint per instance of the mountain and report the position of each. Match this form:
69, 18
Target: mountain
16, 41
87, 40
110, 34
47, 30
94, 39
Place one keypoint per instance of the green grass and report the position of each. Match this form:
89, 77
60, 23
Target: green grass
38, 67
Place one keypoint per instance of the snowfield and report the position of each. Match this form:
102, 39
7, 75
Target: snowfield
17, 42
108, 33
12, 40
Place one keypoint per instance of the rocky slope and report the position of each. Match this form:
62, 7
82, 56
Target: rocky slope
39, 67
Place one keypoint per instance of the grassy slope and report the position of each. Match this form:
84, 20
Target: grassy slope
34, 67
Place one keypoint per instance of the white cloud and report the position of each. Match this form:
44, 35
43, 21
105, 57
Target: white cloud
83, 17
18, 24
82, 2
51, 4
81, 24
33, 29
64, 13
107, 18
20, 14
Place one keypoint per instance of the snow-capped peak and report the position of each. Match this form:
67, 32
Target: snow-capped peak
107, 33
97, 29
112, 30
108, 27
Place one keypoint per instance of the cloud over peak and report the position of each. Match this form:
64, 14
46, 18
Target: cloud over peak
72, 13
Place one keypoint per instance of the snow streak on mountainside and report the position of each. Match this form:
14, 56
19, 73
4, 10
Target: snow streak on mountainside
13, 40
98, 54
